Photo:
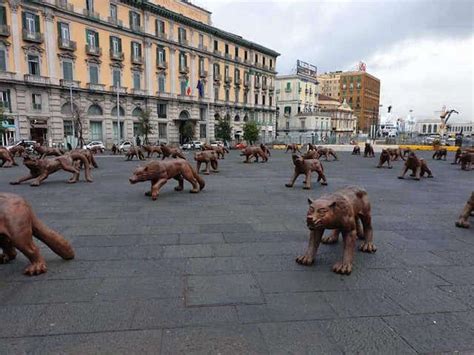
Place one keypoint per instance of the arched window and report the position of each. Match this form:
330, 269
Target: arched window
246, 118
227, 117
184, 115
66, 108
424, 128
237, 118
217, 117
429, 128
137, 112
94, 110
113, 113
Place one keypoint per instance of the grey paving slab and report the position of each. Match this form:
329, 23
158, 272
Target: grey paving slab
366, 336
298, 338
122, 342
237, 242
214, 340
438, 332
222, 290
287, 306
171, 313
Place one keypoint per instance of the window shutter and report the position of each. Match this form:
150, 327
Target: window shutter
156, 27
23, 19
130, 18
37, 24
164, 54
3, 64
119, 44
111, 43
97, 39
140, 49
3, 15
60, 35
138, 20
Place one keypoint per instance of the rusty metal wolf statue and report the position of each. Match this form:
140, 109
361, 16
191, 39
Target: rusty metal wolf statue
18, 223
342, 211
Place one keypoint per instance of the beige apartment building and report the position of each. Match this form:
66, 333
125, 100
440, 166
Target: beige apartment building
329, 84
120, 58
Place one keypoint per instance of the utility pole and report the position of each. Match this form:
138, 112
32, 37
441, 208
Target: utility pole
72, 115
118, 114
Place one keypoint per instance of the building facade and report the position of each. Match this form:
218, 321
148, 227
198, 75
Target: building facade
117, 59
343, 121
362, 92
299, 118
329, 84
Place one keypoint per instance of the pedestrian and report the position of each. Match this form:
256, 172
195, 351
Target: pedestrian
139, 142
69, 146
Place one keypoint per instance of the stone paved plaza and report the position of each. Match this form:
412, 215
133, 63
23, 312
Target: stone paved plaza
215, 272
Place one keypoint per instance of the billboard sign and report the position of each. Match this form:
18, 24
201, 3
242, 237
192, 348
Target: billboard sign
303, 68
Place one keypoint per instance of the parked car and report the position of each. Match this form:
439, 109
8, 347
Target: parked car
125, 146
217, 144
25, 143
95, 145
192, 145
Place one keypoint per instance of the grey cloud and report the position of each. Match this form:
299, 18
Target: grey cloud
333, 35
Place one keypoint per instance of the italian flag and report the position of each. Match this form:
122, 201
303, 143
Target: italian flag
188, 87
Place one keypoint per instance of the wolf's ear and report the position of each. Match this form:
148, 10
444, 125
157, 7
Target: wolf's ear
333, 205
310, 201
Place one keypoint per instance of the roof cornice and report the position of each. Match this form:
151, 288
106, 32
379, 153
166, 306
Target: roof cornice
164, 12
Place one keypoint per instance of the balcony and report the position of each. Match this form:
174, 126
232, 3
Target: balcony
91, 14
4, 30
7, 75
187, 98
217, 77
165, 95
202, 47
257, 85
115, 21
66, 44
238, 59
116, 55
120, 89
228, 79
136, 59
258, 65
136, 28
162, 65
63, 4
264, 86
203, 73
95, 51
228, 56
183, 42
32, 36
287, 89
37, 107
95, 87
271, 88
139, 92
217, 52
69, 83
264, 66
162, 35
247, 83
36, 79
247, 61
184, 70
237, 82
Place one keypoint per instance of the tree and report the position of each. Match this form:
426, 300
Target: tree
223, 130
251, 131
145, 126
77, 116
2, 127
187, 130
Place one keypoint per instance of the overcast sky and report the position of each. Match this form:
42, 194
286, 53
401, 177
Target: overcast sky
422, 51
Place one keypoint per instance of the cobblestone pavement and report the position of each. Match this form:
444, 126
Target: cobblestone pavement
215, 272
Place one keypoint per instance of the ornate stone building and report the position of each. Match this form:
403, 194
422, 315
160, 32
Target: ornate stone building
161, 56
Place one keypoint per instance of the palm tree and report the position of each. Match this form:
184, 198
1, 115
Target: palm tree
145, 126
